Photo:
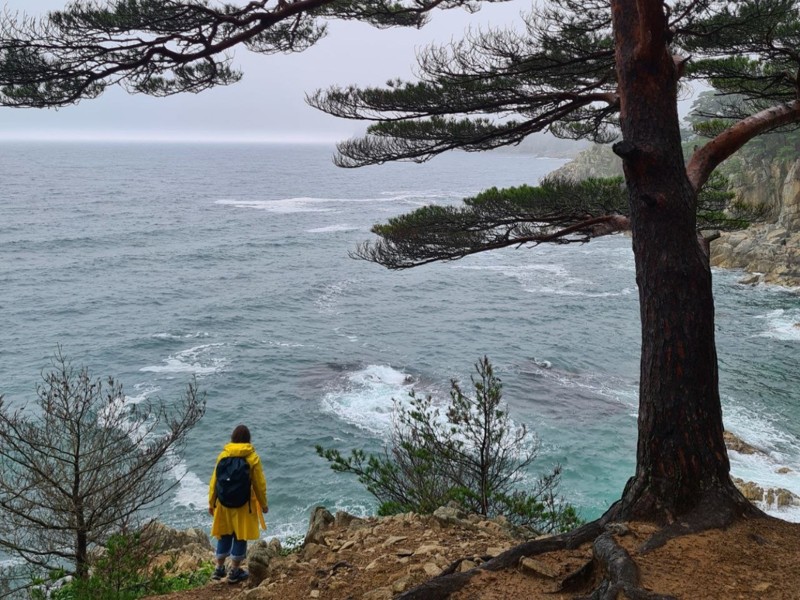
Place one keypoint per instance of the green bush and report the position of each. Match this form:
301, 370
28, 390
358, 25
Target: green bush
123, 572
468, 451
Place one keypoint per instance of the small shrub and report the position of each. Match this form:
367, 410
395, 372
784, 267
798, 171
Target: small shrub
123, 572
293, 543
469, 451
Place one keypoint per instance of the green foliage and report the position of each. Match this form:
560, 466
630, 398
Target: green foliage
558, 210
292, 545
468, 451
164, 47
123, 572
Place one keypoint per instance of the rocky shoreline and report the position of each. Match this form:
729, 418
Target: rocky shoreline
763, 496
770, 252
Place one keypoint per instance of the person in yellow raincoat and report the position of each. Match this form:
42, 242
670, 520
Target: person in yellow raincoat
234, 526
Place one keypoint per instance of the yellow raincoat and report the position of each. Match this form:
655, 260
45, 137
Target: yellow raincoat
243, 521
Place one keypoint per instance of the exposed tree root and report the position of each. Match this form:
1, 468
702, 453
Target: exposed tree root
715, 511
620, 573
612, 566
441, 586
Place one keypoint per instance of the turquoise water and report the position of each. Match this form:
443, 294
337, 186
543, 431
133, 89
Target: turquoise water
156, 263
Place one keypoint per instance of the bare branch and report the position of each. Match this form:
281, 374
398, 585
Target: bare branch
83, 463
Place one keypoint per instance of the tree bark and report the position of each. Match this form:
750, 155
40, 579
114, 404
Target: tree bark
682, 462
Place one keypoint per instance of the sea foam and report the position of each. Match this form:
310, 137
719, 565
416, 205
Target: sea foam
196, 360
305, 204
191, 491
776, 449
549, 279
782, 324
365, 397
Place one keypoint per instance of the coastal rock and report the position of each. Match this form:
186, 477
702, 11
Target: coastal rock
751, 491
259, 557
770, 251
781, 498
345, 519
737, 444
183, 550
466, 565
449, 515
161, 538
771, 497
319, 523
596, 161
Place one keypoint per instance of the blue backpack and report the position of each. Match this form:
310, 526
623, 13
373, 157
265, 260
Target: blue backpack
233, 482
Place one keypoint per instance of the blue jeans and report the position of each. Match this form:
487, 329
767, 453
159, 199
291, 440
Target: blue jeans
229, 545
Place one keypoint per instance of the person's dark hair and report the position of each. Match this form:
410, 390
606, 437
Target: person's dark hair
240, 435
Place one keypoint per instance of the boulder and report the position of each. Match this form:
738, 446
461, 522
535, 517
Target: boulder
344, 519
321, 520
451, 514
161, 538
259, 557
737, 444
183, 550
751, 491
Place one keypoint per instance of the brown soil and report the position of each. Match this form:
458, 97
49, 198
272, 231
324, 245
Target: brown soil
377, 559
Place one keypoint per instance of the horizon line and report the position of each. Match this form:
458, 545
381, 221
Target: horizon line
126, 137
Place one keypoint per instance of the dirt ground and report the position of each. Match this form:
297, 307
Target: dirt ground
377, 559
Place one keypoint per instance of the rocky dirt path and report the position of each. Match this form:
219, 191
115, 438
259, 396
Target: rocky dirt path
376, 559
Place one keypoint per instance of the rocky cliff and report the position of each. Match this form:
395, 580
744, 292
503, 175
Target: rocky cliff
769, 251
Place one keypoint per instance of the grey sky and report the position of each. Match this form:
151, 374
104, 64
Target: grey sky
268, 103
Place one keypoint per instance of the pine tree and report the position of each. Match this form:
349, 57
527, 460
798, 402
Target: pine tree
595, 70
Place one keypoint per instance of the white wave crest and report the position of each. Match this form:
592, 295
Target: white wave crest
615, 389
180, 336
334, 228
197, 360
191, 491
782, 324
777, 449
318, 204
331, 293
549, 279
364, 399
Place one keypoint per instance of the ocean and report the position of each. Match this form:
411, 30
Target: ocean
156, 263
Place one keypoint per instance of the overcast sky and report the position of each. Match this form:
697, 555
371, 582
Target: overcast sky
268, 103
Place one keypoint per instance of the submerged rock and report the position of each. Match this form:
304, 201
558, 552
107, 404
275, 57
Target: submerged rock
737, 444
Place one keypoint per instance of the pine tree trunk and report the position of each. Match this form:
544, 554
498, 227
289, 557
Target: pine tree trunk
682, 463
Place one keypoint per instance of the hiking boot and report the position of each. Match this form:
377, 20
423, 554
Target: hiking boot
237, 575
219, 573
